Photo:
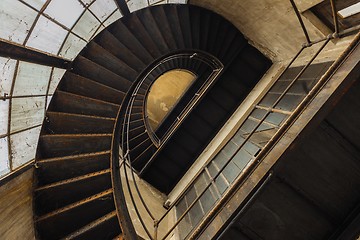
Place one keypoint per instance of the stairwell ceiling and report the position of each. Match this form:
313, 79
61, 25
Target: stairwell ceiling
58, 27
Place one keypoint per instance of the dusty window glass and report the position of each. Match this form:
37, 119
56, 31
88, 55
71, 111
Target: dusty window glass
165, 93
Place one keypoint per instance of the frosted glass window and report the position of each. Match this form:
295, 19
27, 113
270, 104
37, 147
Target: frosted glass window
4, 157
55, 79
31, 79
73, 45
4, 116
26, 112
154, 2
115, 16
7, 67
350, 11
86, 26
23, 146
87, 2
38, 4
15, 20
48, 101
47, 36
177, 1
137, 4
103, 8
65, 11
98, 31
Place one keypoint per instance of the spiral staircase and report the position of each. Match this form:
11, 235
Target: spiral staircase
74, 190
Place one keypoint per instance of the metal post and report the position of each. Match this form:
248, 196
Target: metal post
301, 22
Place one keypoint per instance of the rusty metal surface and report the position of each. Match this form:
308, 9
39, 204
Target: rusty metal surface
19, 52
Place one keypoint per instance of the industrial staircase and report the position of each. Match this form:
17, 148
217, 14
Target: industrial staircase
74, 190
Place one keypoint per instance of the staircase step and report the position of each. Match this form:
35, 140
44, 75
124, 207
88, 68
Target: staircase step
77, 84
127, 38
119, 50
68, 219
58, 169
106, 227
185, 24
73, 103
164, 27
174, 23
60, 145
148, 21
89, 69
60, 194
70, 123
106, 59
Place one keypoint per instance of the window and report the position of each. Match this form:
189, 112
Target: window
348, 13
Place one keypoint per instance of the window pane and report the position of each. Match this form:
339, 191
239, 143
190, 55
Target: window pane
15, 20
86, 26
65, 11
7, 67
4, 157
47, 36
55, 79
73, 45
38, 4
4, 115
23, 146
137, 4
31, 79
26, 112
103, 8
115, 16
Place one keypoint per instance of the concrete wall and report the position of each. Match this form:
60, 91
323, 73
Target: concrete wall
16, 213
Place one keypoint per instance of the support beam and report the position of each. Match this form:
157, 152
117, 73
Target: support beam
123, 7
19, 52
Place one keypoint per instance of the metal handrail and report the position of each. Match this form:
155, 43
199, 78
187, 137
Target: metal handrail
126, 158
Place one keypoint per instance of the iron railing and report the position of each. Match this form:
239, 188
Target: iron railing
126, 162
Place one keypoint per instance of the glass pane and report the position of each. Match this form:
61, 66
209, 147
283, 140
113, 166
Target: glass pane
87, 2
201, 183
221, 184
26, 84
207, 200
4, 157
38, 4
4, 116
242, 158
47, 36
231, 171
48, 101
23, 146
65, 12
165, 93
16, 20
26, 112
115, 16
137, 4
229, 149
73, 45
99, 30
181, 207
7, 67
57, 74
86, 26
103, 8
196, 214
